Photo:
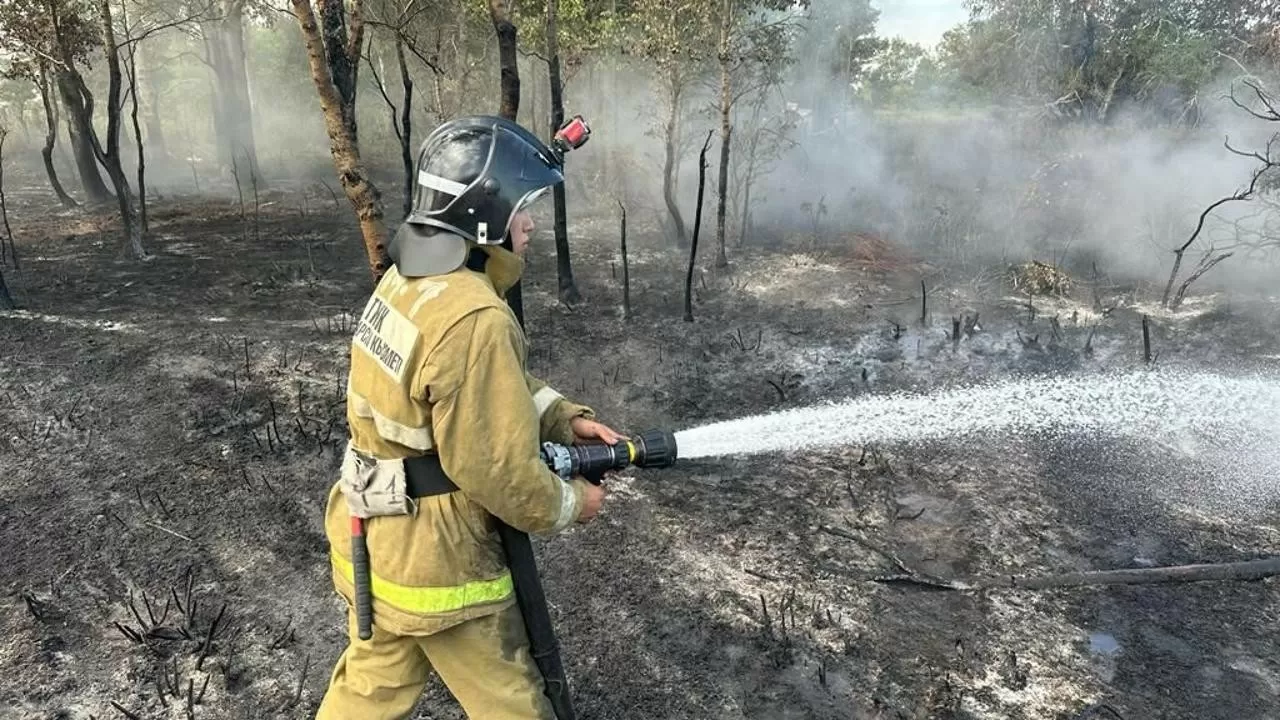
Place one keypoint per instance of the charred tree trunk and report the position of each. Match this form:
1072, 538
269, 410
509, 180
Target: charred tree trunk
672, 137
564, 265
79, 107
6, 300
1173, 276
509, 101
110, 156
343, 142
726, 130
697, 225
50, 103
509, 106
344, 66
406, 126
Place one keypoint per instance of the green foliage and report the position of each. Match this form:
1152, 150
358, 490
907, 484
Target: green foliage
1086, 58
840, 38
889, 78
48, 31
674, 33
584, 27
835, 42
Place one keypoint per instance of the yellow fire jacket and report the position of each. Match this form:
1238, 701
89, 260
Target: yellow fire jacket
438, 365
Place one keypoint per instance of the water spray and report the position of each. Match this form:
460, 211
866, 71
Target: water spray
1158, 405
1228, 427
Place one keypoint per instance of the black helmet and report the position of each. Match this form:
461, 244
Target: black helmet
474, 175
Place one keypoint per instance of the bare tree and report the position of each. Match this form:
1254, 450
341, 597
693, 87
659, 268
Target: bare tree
761, 140
1267, 160
399, 18
109, 155
401, 115
334, 58
50, 103
675, 36
675, 89
753, 50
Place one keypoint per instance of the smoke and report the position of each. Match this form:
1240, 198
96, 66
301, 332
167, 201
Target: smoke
965, 182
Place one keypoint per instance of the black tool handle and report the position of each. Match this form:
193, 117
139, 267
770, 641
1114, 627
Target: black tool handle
362, 578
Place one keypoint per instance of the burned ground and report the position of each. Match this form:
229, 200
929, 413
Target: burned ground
170, 429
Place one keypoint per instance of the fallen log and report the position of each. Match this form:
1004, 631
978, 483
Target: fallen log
1241, 571
1247, 570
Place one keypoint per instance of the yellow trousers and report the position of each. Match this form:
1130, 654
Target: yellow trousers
485, 663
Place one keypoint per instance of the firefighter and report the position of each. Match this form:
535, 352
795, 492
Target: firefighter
438, 381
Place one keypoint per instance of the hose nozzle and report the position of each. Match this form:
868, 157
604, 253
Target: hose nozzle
650, 449
654, 449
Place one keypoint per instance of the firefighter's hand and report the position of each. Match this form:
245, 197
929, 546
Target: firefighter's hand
585, 430
592, 499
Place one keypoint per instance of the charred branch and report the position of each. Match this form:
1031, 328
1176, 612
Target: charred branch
1146, 339
1270, 112
124, 712
626, 270
924, 305
1207, 263
697, 226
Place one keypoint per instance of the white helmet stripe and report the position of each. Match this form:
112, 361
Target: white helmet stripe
445, 185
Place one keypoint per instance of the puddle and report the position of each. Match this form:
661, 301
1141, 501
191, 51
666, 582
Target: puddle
1103, 644
1105, 652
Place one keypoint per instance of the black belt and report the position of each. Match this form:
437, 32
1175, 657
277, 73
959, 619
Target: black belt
425, 477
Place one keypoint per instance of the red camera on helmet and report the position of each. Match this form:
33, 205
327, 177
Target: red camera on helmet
573, 135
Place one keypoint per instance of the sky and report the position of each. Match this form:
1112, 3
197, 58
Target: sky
920, 21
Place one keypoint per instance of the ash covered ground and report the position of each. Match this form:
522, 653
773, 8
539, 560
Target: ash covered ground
170, 430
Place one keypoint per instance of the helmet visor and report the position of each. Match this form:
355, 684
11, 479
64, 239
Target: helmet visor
526, 171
